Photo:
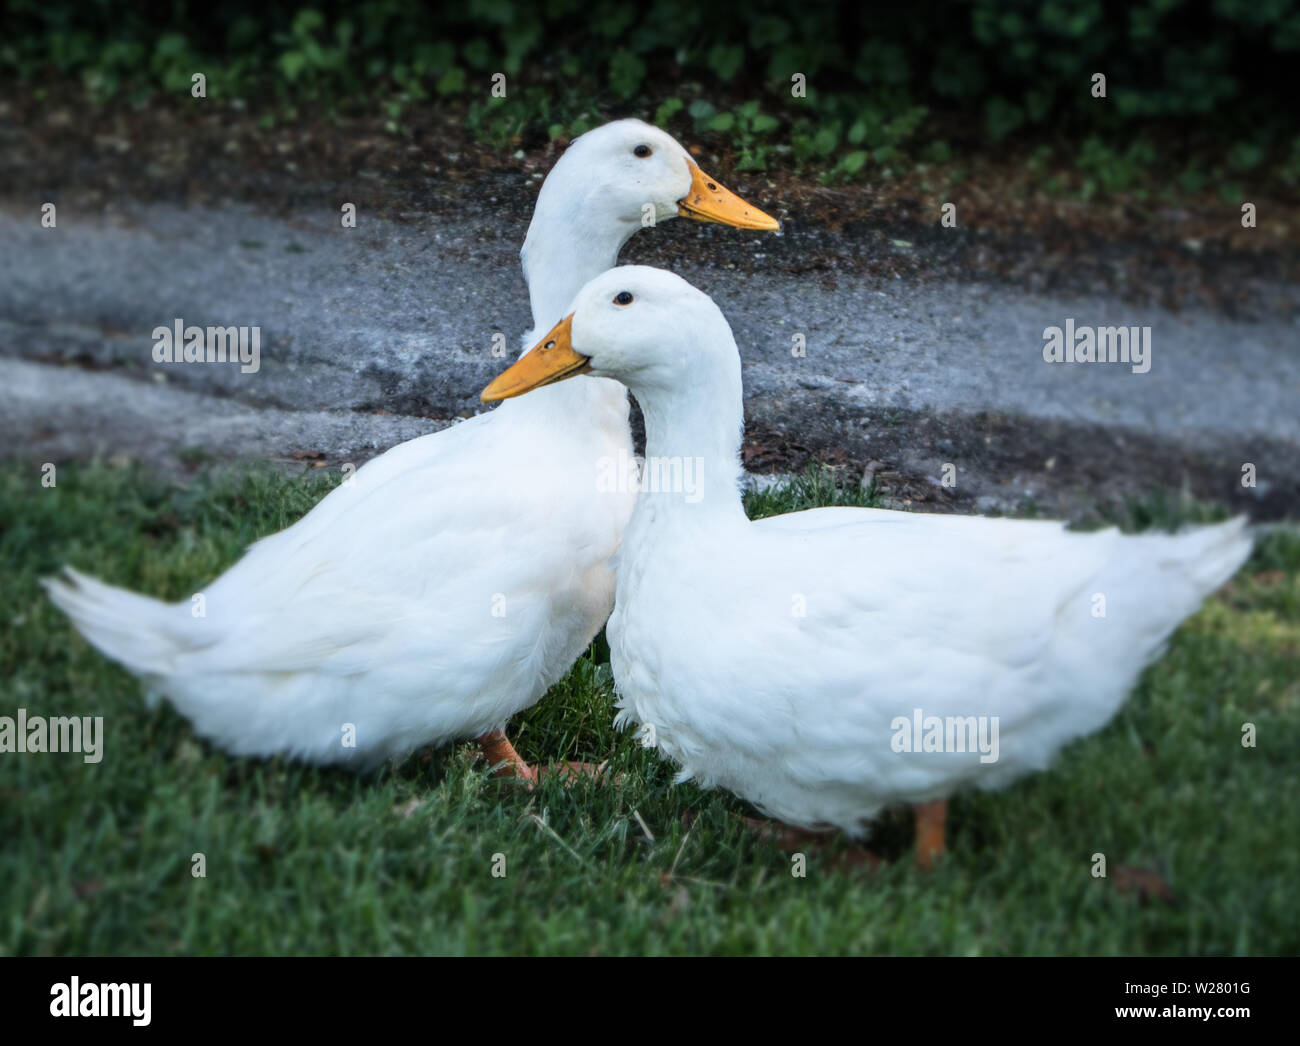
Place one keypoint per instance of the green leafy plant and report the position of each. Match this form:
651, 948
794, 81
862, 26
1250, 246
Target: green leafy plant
874, 77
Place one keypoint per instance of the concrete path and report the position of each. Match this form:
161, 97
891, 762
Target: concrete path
373, 335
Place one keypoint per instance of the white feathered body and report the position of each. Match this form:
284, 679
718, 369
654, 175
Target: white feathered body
440, 591
778, 659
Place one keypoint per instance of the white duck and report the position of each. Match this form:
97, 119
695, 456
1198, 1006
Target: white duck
806, 661
460, 574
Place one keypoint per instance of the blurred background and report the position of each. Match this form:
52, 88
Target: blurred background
855, 124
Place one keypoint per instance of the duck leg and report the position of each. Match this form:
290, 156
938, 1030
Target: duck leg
499, 752
571, 771
930, 818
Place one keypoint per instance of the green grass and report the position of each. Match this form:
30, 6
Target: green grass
96, 858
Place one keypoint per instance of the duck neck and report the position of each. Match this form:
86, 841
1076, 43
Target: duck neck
559, 256
693, 432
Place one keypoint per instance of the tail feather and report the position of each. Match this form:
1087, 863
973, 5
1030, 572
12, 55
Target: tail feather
129, 628
1161, 579
1210, 555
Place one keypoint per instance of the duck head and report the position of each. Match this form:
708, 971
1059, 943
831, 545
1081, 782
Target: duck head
645, 327
631, 174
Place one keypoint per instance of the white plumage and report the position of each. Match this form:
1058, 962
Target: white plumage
779, 658
460, 574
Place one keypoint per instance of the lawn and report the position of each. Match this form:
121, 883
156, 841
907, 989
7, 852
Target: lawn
1201, 835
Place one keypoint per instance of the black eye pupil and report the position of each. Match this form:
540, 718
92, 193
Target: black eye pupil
623, 298
642, 150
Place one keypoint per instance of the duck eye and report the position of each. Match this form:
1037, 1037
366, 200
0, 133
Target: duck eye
622, 298
642, 151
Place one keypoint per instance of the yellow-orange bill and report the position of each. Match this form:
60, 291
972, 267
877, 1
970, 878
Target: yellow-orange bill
709, 201
551, 360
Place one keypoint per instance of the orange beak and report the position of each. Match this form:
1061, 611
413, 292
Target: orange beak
552, 359
708, 201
